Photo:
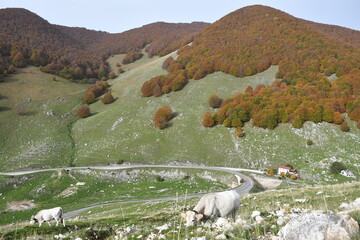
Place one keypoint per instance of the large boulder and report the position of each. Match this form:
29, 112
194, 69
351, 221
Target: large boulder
320, 226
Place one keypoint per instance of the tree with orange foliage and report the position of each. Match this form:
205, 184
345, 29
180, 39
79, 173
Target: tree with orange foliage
107, 98
208, 120
83, 112
239, 132
162, 116
338, 118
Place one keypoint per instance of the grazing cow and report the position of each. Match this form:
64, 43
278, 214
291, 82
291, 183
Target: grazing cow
47, 215
212, 205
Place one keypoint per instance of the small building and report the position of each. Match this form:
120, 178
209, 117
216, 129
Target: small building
347, 173
288, 170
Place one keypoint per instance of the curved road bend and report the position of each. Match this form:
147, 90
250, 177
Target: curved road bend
245, 187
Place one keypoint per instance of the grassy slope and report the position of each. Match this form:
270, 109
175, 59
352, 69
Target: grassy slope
145, 217
36, 140
58, 188
124, 130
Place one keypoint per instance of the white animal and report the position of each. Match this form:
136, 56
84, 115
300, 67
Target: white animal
47, 215
212, 205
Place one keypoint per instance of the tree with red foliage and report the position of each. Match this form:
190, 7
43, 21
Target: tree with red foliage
338, 118
167, 62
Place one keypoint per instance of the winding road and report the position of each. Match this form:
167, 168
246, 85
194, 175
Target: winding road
245, 187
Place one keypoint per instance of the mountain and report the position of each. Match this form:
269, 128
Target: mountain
77, 53
249, 41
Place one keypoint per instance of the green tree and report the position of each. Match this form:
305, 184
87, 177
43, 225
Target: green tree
337, 167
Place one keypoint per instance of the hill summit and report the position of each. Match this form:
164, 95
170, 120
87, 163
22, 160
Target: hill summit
78, 53
249, 41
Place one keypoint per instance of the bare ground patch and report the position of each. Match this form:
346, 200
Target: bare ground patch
20, 205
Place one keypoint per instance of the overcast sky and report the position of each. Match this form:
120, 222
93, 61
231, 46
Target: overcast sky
118, 15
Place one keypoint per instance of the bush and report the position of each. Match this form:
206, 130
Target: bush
108, 98
20, 109
309, 142
112, 75
239, 132
121, 161
167, 62
132, 57
215, 101
270, 172
358, 124
159, 179
162, 116
208, 120
344, 127
83, 112
337, 167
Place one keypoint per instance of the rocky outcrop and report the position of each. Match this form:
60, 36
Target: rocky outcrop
320, 226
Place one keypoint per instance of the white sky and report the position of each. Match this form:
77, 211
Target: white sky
118, 15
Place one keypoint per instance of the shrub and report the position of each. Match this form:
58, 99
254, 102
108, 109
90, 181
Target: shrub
20, 109
132, 57
270, 172
83, 112
112, 75
120, 70
120, 161
309, 142
344, 127
162, 116
358, 124
293, 177
167, 62
108, 98
338, 118
208, 120
337, 167
89, 97
239, 132
215, 101
159, 179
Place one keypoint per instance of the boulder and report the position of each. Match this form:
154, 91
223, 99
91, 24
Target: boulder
351, 206
320, 226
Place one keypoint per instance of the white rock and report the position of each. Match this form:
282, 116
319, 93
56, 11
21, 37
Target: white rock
320, 226
300, 200
280, 221
318, 193
220, 236
221, 221
80, 183
259, 219
280, 213
351, 206
78, 238
140, 236
152, 236
198, 238
163, 227
255, 214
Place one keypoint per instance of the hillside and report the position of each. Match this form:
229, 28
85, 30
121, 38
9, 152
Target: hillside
78, 53
249, 41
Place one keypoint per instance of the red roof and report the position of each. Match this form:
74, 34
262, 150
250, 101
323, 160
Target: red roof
288, 168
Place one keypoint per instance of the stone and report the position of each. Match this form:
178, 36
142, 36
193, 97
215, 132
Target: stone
255, 214
220, 237
259, 219
320, 226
